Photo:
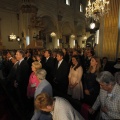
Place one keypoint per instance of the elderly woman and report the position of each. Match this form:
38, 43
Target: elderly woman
109, 97
33, 80
44, 86
60, 108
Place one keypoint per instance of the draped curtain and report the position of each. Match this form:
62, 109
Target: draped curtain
110, 35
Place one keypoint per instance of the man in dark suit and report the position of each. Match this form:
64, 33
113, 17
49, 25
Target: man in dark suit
9, 64
12, 77
48, 65
22, 78
39, 58
60, 80
106, 65
29, 61
90, 54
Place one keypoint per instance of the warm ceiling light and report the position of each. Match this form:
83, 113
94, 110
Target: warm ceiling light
92, 25
52, 34
97, 9
12, 37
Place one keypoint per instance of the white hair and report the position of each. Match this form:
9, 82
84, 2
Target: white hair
106, 77
41, 74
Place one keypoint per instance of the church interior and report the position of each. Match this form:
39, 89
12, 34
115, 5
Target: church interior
54, 24
40, 25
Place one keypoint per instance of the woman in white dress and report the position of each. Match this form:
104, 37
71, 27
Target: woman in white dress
75, 87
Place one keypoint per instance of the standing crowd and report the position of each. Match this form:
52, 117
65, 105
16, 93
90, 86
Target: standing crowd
38, 80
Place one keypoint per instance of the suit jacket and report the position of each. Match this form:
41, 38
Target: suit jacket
61, 73
106, 67
66, 57
86, 64
29, 61
22, 75
7, 68
48, 66
12, 75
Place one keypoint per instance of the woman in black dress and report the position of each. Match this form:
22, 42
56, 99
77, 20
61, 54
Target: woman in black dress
91, 86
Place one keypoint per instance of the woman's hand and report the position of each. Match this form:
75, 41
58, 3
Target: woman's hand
33, 85
104, 109
87, 92
73, 85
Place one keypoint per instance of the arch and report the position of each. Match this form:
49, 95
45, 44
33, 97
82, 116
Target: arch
53, 18
50, 25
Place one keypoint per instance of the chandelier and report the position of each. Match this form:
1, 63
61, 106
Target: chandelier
97, 9
12, 37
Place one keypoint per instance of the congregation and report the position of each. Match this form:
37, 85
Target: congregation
38, 80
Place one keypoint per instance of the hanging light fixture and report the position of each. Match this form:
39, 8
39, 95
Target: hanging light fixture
12, 37
97, 9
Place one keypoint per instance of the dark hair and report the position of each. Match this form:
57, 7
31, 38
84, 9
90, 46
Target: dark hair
60, 53
40, 56
49, 51
21, 52
78, 60
14, 57
105, 58
92, 52
12, 53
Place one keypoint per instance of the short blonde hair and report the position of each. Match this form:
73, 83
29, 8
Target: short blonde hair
37, 65
43, 100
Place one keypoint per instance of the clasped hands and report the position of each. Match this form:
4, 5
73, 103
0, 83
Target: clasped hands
87, 92
72, 85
